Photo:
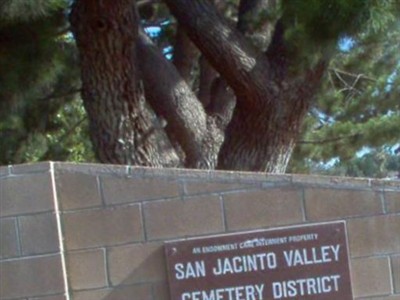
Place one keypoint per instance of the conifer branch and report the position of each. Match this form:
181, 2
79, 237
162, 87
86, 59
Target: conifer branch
70, 131
66, 94
362, 76
329, 140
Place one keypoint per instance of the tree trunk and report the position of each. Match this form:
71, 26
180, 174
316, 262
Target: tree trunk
185, 55
171, 98
262, 138
123, 129
271, 103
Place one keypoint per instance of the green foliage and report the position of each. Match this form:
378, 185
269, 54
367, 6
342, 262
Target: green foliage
315, 26
22, 10
65, 137
320, 21
32, 56
378, 163
358, 105
70, 141
42, 117
39, 80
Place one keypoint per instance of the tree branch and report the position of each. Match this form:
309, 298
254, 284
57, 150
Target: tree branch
329, 140
72, 129
171, 98
358, 76
225, 48
185, 54
206, 79
208, 76
66, 94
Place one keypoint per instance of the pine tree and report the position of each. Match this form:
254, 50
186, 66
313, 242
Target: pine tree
358, 109
39, 81
249, 81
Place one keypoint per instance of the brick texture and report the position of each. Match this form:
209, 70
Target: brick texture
86, 269
56, 297
8, 238
396, 273
3, 171
31, 277
25, 194
371, 277
122, 190
77, 191
38, 234
390, 297
329, 181
374, 235
211, 187
264, 208
177, 218
330, 204
161, 291
392, 202
40, 167
137, 263
114, 225
104, 227
137, 292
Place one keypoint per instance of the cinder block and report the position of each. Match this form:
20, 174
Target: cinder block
4, 171
102, 227
370, 276
392, 201
37, 167
55, 297
329, 204
193, 188
123, 190
137, 263
161, 291
388, 297
330, 181
396, 273
136, 292
31, 277
383, 184
257, 209
86, 269
25, 194
8, 238
76, 190
177, 218
374, 235
39, 234
90, 168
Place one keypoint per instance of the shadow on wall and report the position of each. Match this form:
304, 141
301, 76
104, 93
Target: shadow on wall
129, 275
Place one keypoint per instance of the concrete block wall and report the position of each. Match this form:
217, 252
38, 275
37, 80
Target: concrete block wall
30, 258
88, 232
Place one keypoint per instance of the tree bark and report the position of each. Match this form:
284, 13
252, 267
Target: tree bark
255, 21
225, 48
263, 138
270, 102
123, 129
172, 99
185, 55
206, 78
